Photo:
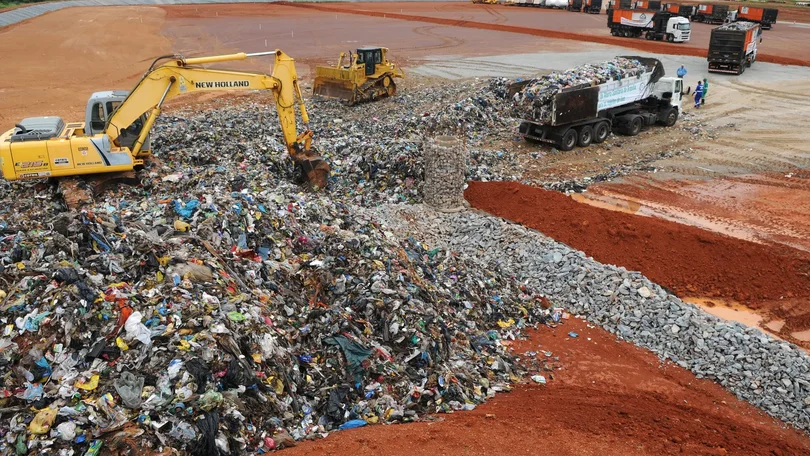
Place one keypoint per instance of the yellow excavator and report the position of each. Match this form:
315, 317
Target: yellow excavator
115, 135
365, 76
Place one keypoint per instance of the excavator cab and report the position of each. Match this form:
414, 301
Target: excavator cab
368, 76
100, 108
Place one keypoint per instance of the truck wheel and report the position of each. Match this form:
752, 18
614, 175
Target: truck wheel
569, 140
601, 132
648, 35
670, 38
634, 127
585, 136
671, 117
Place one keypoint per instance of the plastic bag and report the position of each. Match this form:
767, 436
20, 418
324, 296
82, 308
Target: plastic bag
129, 387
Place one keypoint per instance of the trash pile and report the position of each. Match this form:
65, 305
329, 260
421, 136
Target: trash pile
218, 309
738, 26
534, 99
375, 152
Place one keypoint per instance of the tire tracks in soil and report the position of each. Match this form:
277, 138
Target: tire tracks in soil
642, 45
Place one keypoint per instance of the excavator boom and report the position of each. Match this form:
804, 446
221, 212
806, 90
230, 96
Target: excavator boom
176, 76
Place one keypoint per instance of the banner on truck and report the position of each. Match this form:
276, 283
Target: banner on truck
621, 93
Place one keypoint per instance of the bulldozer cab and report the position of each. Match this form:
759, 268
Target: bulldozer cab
370, 57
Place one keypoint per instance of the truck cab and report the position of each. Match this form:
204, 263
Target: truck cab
676, 28
671, 90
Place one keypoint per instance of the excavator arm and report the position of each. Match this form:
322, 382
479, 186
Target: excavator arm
181, 75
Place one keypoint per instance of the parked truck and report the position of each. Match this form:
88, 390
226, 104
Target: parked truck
766, 17
653, 26
592, 6
652, 5
619, 4
733, 47
709, 13
575, 5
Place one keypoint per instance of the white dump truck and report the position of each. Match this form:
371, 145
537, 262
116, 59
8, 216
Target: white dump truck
587, 113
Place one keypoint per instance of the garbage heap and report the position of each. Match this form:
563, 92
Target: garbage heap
738, 26
220, 310
534, 99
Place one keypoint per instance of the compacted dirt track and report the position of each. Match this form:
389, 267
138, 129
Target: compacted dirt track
609, 398
788, 47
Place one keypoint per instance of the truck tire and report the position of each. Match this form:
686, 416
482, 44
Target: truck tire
649, 36
600, 132
634, 126
585, 136
670, 118
569, 140
670, 37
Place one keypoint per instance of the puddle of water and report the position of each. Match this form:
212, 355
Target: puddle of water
803, 336
606, 202
728, 310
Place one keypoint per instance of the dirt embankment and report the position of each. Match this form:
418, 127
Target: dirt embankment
687, 260
59, 59
640, 44
608, 398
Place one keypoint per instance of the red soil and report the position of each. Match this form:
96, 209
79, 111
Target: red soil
609, 398
640, 44
687, 260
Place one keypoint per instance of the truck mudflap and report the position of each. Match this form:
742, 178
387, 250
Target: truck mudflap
728, 67
536, 132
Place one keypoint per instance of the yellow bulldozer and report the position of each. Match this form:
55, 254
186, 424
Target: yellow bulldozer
115, 134
365, 76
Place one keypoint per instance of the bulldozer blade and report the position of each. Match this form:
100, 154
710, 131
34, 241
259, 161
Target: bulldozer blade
342, 90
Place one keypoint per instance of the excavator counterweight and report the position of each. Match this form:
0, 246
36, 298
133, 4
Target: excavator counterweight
116, 134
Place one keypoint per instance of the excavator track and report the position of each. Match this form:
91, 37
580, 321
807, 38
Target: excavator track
80, 191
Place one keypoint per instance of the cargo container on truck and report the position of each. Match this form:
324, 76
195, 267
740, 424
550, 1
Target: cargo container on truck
763, 16
652, 5
712, 14
670, 8
587, 114
592, 6
733, 47
652, 25
619, 4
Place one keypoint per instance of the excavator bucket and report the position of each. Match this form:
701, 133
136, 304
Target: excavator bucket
312, 168
334, 83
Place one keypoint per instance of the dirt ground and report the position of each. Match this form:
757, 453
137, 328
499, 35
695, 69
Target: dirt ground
609, 397
782, 44
606, 398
